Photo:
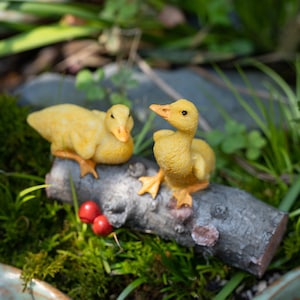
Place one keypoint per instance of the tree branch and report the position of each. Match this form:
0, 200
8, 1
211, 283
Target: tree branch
224, 221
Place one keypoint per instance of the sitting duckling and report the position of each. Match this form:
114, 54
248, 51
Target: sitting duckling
86, 136
185, 163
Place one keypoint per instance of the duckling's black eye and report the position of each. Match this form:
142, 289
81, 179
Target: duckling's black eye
184, 112
112, 116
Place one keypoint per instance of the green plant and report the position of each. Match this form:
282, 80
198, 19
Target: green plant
292, 242
215, 30
93, 19
277, 158
121, 12
92, 84
89, 82
48, 242
21, 199
266, 23
234, 139
29, 36
167, 268
218, 23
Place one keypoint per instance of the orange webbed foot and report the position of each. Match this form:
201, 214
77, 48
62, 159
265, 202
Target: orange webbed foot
87, 166
183, 196
151, 184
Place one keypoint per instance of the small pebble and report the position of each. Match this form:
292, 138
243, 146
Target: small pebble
262, 285
136, 170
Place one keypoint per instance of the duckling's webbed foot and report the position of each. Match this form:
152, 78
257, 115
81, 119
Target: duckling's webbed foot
86, 165
183, 196
151, 184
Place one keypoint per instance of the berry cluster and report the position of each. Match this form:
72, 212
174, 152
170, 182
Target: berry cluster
89, 212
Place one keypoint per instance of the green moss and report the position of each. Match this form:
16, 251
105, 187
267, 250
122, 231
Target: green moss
21, 149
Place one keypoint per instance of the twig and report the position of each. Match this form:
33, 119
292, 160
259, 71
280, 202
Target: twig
263, 176
79, 55
145, 67
216, 80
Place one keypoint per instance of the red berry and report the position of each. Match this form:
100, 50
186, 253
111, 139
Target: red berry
101, 226
88, 211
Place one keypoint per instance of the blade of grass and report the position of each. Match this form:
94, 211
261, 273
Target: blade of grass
271, 130
32, 189
138, 143
24, 197
287, 160
75, 200
17, 26
7, 195
258, 101
23, 176
295, 213
286, 88
132, 286
291, 196
267, 167
42, 36
54, 9
298, 77
216, 103
267, 112
243, 103
230, 286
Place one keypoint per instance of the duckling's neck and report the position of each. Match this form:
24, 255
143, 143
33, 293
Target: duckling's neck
175, 157
182, 142
185, 136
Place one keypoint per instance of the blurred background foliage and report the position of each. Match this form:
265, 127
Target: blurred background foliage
203, 30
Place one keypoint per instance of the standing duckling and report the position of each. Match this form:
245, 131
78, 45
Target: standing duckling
86, 136
185, 163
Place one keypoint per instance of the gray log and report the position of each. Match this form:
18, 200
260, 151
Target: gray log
224, 221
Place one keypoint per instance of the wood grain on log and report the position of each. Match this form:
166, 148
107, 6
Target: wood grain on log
223, 221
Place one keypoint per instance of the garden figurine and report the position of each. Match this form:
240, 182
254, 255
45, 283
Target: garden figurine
185, 163
86, 136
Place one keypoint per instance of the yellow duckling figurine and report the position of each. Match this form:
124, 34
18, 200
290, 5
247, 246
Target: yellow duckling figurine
185, 163
86, 136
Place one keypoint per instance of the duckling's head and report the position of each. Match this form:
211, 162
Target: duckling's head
182, 114
119, 122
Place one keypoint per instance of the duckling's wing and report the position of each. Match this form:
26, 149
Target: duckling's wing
99, 114
68, 126
83, 145
203, 159
162, 133
52, 120
57, 119
88, 133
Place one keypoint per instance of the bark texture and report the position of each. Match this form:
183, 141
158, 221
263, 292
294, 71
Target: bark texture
224, 221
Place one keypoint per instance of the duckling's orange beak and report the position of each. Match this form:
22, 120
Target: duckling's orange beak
122, 134
161, 110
